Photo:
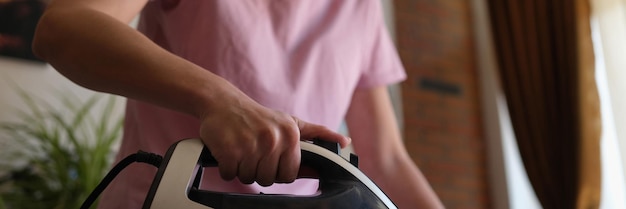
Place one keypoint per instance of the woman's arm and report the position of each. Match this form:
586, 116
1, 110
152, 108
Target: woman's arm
89, 42
377, 140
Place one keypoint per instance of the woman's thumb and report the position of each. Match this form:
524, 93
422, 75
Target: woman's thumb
314, 131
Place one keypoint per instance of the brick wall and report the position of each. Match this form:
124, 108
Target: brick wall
443, 128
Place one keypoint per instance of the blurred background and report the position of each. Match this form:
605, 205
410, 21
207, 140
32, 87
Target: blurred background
508, 104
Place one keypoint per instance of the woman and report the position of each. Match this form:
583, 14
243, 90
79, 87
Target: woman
243, 76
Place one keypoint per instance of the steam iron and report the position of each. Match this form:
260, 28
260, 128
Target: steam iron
341, 184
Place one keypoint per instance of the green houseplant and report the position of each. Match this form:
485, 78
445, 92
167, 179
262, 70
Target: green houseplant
64, 151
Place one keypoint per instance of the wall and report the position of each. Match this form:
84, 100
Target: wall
443, 124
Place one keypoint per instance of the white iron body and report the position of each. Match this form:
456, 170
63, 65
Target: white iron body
181, 166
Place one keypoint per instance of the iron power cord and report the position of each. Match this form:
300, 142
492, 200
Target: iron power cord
140, 156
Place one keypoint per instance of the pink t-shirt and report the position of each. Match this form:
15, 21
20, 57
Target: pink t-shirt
304, 58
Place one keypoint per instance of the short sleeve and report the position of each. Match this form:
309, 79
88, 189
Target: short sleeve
382, 63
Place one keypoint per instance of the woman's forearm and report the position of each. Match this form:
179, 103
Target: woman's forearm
377, 141
101, 53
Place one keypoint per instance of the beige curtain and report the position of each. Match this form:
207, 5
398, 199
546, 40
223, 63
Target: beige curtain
589, 194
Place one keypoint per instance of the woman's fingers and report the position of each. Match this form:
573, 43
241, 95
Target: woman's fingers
289, 163
267, 170
260, 145
248, 170
228, 169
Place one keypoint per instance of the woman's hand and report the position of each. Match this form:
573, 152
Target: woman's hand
255, 143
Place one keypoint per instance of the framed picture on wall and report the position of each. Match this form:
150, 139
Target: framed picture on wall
18, 19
